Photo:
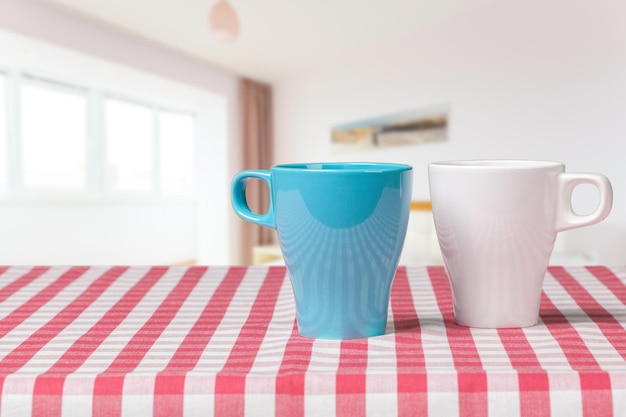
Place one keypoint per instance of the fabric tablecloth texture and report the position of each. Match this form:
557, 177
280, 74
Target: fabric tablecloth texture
202, 341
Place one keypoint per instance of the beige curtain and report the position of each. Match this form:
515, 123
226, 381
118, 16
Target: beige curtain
257, 147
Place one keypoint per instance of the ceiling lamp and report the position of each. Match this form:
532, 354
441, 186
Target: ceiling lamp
223, 21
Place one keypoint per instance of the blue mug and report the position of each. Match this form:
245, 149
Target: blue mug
341, 228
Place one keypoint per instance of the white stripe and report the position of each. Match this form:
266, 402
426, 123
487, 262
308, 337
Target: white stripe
320, 405
620, 272
138, 395
77, 397
17, 396
443, 396
381, 404
199, 397
618, 388
565, 396
503, 398
260, 404
320, 382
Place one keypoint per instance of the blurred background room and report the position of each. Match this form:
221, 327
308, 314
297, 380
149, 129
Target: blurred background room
122, 122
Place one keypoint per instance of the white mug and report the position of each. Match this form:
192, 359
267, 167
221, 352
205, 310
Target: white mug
496, 222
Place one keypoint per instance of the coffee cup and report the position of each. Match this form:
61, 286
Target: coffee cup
496, 222
341, 228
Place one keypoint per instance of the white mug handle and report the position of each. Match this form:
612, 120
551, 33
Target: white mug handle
565, 217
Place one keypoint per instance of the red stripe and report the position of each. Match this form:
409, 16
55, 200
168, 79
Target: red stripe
48, 390
21, 282
290, 381
108, 386
610, 280
230, 382
595, 383
35, 342
171, 381
350, 381
412, 380
534, 385
472, 380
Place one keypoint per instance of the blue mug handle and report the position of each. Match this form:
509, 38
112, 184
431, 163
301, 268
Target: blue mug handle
240, 204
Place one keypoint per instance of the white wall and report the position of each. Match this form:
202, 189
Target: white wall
534, 79
97, 233
143, 66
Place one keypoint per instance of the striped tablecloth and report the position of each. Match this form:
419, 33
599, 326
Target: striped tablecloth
202, 341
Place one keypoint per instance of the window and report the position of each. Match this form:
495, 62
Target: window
59, 137
129, 144
176, 133
53, 131
3, 135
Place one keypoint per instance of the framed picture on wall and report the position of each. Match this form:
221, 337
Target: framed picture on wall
399, 129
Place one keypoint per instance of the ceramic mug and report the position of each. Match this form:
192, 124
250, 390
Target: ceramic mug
341, 228
496, 222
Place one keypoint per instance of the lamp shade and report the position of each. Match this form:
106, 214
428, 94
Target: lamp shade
223, 21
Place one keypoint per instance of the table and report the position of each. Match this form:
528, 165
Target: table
202, 341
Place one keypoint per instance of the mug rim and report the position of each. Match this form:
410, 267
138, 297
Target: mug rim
344, 167
516, 164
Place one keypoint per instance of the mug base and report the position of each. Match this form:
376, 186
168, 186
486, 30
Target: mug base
495, 324
344, 334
